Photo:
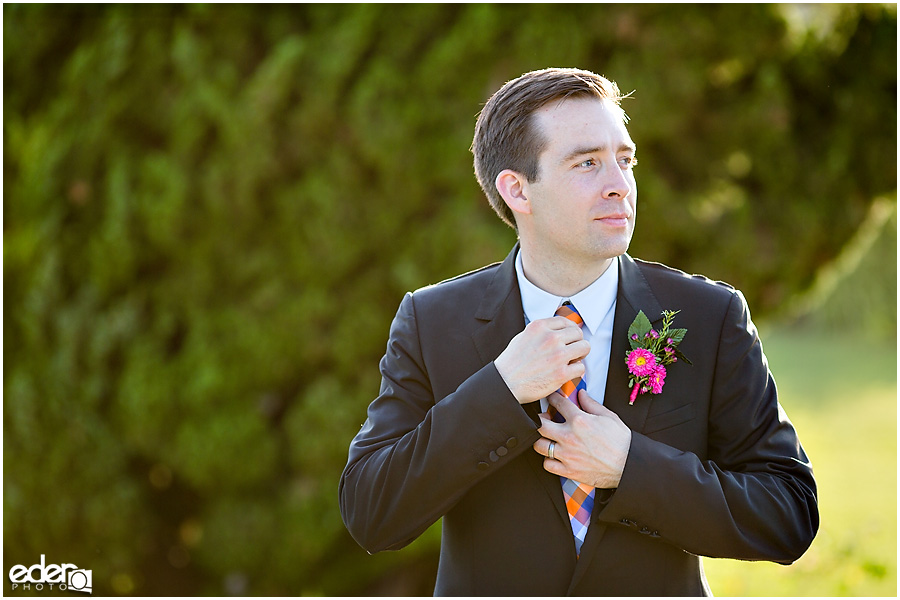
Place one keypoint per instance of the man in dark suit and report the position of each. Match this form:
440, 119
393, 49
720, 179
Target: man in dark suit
462, 427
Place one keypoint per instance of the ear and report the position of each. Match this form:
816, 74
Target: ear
512, 186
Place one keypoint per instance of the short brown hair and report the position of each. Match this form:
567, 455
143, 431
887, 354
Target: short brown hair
505, 137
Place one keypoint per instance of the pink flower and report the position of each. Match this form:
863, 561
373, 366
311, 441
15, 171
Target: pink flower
641, 362
653, 334
658, 379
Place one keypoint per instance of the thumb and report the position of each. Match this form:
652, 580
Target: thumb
589, 405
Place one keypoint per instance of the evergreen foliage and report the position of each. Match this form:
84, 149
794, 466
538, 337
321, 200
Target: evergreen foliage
212, 212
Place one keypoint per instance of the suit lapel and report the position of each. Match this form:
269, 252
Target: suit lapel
634, 294
502, 317
500, 312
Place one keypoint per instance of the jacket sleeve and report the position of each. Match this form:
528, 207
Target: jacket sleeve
415, 456
755, 496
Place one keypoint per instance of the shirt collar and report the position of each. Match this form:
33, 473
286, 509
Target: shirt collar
593, 302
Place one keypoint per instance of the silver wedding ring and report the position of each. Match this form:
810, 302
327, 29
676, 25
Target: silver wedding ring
550, 451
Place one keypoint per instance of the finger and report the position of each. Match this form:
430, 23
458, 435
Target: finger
596, 408
555, 467
562, 323
575, 369
550, 429
589, 405
578, 349
542, 446
563, 405
563, 331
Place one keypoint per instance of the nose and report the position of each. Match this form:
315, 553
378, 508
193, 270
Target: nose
616, 185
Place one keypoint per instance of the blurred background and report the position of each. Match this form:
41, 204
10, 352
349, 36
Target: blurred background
211, 214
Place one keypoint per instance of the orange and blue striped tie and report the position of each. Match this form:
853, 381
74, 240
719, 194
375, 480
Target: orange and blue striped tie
579, 496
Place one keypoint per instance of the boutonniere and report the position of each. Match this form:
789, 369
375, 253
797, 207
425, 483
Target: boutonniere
650, 352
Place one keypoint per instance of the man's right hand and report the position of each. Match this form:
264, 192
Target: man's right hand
545, 355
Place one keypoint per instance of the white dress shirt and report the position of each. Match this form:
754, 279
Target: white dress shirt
597, 306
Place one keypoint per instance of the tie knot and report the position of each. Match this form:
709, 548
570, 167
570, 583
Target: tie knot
568, 311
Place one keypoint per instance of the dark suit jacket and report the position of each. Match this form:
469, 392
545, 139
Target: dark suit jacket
714, 469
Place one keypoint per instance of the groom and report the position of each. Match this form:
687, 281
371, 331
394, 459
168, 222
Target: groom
505, 403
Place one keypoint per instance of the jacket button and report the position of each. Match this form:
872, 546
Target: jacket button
483, 466
512, 443
493, 456
645, 531
502, 451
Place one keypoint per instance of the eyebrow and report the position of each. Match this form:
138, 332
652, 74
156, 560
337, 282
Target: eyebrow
623, 147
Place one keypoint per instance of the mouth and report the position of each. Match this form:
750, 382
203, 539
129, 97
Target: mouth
615, 220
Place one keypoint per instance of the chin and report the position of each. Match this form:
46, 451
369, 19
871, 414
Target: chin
613, 248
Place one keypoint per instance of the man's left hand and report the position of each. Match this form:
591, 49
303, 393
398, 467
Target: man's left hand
590, 447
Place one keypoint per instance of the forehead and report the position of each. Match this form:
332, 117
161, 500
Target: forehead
581, 122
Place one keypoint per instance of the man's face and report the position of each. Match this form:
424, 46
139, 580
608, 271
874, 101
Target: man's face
583, 202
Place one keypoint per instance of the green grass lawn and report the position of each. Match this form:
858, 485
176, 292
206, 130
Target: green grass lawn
841, 394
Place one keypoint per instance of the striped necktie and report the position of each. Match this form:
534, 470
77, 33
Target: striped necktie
579, 496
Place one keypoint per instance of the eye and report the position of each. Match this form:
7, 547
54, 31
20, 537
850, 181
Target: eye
628, 162
586, 163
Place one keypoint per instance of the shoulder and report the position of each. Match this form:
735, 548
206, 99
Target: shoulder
663, 276
706, 302
458, 295
460, 283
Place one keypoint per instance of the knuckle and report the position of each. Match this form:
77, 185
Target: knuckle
535, 327
579, 420
575, 421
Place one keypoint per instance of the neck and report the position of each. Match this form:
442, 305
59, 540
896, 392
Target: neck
560, 276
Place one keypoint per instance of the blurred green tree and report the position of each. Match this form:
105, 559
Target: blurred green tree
212, 213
